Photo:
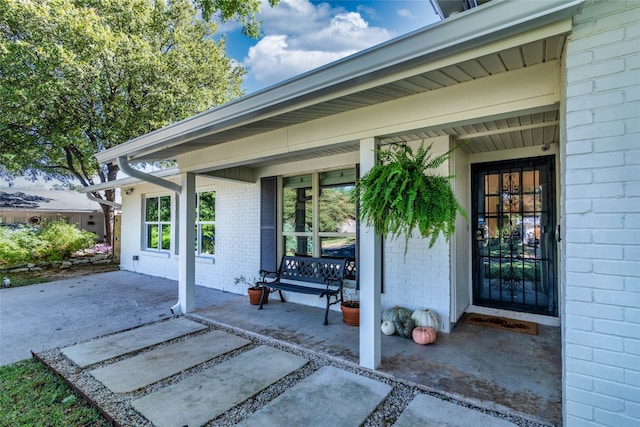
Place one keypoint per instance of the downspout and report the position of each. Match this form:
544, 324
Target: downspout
125, 167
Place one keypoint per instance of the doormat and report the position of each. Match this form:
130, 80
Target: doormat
502, 323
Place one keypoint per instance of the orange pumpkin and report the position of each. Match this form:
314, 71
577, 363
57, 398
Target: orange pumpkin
423, 335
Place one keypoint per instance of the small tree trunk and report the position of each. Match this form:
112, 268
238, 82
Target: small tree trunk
108, 223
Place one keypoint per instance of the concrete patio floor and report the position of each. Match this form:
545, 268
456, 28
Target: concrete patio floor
493, 369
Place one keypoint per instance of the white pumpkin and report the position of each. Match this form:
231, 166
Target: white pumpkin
388, 328
426, 317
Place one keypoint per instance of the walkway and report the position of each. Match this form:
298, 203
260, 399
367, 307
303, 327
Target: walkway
181, 372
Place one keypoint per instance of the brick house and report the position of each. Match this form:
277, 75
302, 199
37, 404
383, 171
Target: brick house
545, 93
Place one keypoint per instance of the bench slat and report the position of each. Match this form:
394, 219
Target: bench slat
303, 289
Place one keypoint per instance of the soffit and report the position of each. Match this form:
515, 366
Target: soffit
537, 52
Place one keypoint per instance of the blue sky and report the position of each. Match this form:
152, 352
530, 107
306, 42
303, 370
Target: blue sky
300, 35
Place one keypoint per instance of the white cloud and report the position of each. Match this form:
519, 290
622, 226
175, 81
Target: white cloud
273, 60
405, 13
300, 36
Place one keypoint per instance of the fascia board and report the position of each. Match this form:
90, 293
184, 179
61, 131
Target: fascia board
164, 173
492, 21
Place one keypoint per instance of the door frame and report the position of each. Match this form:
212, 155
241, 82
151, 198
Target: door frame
463, 255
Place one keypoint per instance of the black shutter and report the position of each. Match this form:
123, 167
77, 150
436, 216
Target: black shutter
268, 223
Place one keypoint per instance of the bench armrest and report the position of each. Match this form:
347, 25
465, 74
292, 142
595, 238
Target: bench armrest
264, 273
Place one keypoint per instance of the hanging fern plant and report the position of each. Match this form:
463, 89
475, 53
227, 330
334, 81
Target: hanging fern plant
398, 195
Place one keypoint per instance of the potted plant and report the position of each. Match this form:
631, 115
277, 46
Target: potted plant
254, 290
350, 307
398, 195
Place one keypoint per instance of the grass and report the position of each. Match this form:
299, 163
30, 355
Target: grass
31, 395
25, 278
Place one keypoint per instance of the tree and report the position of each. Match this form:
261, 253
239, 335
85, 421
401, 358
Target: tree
245, 11
81, 76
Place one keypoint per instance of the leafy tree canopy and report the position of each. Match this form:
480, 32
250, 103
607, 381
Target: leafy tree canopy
244, 11
81, 76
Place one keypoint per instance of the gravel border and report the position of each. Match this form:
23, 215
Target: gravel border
118, 405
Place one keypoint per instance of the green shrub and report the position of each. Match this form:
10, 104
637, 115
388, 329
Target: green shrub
15, 246
53, 242
59, 240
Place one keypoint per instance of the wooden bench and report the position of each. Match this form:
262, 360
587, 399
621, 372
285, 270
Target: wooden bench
306, 275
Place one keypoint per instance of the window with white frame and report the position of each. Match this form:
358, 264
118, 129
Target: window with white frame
206, 223
319, 214
157, 222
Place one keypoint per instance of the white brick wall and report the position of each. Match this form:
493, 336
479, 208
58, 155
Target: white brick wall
601, 202
237, 235
236, 246
421, 280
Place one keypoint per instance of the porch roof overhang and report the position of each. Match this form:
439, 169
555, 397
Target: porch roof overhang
464, 47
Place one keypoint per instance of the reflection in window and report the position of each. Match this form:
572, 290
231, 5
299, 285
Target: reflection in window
205, 223
297, 215
329, 232
158, 223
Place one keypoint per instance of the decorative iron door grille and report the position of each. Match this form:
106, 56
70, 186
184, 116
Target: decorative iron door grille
514, 248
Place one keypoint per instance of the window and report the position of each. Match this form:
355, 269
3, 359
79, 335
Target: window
205, 223
157, 222
319, 216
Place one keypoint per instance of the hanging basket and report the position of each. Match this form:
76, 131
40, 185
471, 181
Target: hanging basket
398, 195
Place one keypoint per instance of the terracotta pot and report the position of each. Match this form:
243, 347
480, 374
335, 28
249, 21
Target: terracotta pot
255, 294
350, 312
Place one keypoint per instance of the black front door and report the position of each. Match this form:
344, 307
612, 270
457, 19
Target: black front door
514, 248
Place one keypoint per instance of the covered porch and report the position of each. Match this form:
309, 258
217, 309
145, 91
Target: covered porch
498, 90
497, 370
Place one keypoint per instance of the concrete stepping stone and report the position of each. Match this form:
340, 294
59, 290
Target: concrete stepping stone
425, 410
210, 393
328, 397
106, 348
147, 368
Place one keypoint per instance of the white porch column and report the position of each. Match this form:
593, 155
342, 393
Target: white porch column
369, 270
186, 244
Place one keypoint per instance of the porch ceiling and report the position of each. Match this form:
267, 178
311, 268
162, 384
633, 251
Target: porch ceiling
535, 128
518, 131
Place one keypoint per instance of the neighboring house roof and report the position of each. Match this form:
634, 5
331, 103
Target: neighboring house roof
440, 55
46, 200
